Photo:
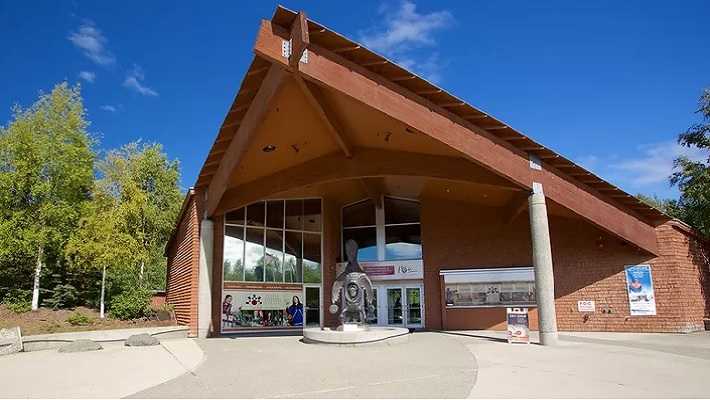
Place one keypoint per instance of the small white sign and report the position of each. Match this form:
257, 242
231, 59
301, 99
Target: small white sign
586, 306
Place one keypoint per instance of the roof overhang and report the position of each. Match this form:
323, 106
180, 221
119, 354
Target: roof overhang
338, 64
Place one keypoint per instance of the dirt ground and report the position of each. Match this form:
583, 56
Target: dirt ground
47, 320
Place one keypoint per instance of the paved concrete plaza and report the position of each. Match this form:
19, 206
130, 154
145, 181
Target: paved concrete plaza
457, 364
428, 364
115, 371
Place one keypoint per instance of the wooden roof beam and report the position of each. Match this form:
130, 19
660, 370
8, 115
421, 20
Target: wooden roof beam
253, 118
299, 39
316, 99
373, 63
373, 188
346, 49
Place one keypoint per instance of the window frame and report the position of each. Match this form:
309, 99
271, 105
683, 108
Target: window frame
380, 227
283, 231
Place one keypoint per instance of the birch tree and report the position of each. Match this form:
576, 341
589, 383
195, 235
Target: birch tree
46, 172
100, 243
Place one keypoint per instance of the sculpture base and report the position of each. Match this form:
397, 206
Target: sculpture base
352, 328
353, 335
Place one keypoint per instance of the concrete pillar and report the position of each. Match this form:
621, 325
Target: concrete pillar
204, 297
542, 262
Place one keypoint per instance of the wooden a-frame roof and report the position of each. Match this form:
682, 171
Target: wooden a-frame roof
320, 40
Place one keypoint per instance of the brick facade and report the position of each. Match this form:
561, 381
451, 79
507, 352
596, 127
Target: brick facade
588, 265
183, 254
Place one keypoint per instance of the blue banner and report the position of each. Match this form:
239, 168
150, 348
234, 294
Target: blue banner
639, 285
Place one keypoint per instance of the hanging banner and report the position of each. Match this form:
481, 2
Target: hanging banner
518, 325
389, 270
639, 285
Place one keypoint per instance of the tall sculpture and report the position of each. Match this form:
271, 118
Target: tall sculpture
354, 290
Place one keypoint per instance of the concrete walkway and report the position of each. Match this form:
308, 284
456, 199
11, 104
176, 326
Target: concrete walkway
427, 365
606, 365
475, 364
115, 371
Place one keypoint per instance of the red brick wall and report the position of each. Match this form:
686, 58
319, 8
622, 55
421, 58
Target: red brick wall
588, 265
183, 266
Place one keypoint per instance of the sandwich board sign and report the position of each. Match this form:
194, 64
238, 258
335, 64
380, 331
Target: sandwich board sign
518, 325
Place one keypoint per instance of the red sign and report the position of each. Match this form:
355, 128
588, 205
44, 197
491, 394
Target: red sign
379, 269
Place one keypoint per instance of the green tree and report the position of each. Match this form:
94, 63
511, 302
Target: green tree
145, 186
668, 206
693, 177
46, 173
101, 242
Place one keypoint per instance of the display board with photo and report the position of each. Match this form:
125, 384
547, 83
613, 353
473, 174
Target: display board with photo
261, 309
486, 287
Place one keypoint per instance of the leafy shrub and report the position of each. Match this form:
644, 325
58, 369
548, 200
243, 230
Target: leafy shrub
79, 318
131, 304
18, 300
63, 296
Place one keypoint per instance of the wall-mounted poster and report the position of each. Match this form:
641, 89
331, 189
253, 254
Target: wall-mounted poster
261, 309
639, 285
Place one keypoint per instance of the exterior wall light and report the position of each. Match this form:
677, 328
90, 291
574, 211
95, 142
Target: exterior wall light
269, 148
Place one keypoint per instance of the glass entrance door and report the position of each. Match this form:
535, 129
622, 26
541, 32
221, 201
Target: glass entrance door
413, 306
402, 305
312, 305
395, 315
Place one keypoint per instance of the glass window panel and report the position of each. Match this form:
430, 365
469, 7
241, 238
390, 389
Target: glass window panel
414, 309
254, 255
311, 258
366, 239
293, 259
274, 256
398, 211
403, 242
312, 215
235, 217
275, 214
359, 214
394, 306
294, 214
312, 306
255, 214
233, 266
372, 314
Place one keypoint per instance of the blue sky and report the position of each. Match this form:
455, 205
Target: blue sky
609, 84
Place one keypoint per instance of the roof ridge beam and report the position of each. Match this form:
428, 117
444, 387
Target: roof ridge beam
299, 39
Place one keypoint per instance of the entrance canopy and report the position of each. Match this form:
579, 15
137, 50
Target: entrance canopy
315, 107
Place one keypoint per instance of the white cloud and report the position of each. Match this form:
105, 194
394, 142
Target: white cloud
405, 28
92, 43
655, 163
87, 76
645, 170
109, 108
403, 32
134, 80
430, 67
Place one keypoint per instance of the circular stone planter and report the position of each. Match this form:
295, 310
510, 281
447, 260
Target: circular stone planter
370, 334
